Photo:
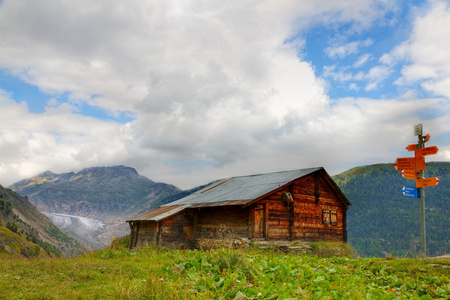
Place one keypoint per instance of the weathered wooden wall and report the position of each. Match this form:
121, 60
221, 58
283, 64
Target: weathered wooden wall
184, 228
146, 234
312, 195
222, 221
172, 231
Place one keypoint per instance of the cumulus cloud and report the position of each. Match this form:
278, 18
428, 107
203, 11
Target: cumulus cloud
426, 52
215, 88
56, 140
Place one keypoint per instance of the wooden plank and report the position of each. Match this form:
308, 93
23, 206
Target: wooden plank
266, 220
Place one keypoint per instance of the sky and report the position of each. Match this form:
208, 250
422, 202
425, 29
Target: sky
187, 92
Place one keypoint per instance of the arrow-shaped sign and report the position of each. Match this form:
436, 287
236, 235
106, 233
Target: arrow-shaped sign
432, 181
410, 174
427, 151
412, 192
410, 164
405, 163
412, 147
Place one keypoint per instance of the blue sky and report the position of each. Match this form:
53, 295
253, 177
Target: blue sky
187, 92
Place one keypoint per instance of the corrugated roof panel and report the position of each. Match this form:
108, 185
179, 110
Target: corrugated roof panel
225, 203
160, 213
244, 188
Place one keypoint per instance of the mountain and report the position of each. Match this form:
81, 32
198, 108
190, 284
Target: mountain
25, 231
109, 195
382, 221
99, 192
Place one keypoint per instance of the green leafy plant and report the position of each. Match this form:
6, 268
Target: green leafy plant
161, 273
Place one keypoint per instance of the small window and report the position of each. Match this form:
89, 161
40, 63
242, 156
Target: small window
329, 217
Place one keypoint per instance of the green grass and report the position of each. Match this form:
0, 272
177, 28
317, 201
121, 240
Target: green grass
159, 273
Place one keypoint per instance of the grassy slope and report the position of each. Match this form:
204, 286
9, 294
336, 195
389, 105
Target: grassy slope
158, 273
13, 243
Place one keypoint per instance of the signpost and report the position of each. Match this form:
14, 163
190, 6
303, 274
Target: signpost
405, 163
410, 174
432, 181
412, 147
413, 168
427, 151
410, 163
409, 191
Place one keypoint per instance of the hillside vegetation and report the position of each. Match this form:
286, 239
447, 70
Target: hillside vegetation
159, 273
381, 221
25, 231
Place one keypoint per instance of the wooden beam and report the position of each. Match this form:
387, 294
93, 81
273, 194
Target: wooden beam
251, 221
194, 225
316, 187
266, 220
158, 233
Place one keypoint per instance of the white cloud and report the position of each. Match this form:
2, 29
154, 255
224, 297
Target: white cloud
341, 51
214, 87
363, 59
426, 50
377, 75
374, 76
56, 140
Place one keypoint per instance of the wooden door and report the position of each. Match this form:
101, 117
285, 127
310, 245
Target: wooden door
259, 220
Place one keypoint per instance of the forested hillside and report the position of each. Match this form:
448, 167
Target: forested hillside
381, 221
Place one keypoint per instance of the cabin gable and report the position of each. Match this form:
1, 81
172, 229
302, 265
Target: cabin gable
315, 212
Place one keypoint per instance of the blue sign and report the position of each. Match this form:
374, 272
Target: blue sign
409, 191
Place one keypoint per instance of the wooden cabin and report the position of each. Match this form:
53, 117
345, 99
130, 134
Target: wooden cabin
302, 205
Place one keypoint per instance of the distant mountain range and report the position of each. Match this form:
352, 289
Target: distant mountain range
100, 192
109, 195
25, 231
381, 220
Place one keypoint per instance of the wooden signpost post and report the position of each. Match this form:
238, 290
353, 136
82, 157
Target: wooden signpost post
413, 168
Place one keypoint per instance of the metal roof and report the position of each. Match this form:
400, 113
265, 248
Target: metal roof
242, 190
160, 213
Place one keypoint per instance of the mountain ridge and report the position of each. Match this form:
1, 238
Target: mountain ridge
96, 192
108, 194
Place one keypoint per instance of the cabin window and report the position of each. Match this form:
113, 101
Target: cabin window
329, 217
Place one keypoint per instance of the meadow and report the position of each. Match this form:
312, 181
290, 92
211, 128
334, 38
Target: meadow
161, 273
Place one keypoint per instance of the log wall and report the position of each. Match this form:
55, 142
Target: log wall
312, 196
146, 234
223, 221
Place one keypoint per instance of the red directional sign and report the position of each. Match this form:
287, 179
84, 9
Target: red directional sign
405, 163
420, 163
410, 174
427, 151
412, 147
432, 181
410, 164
